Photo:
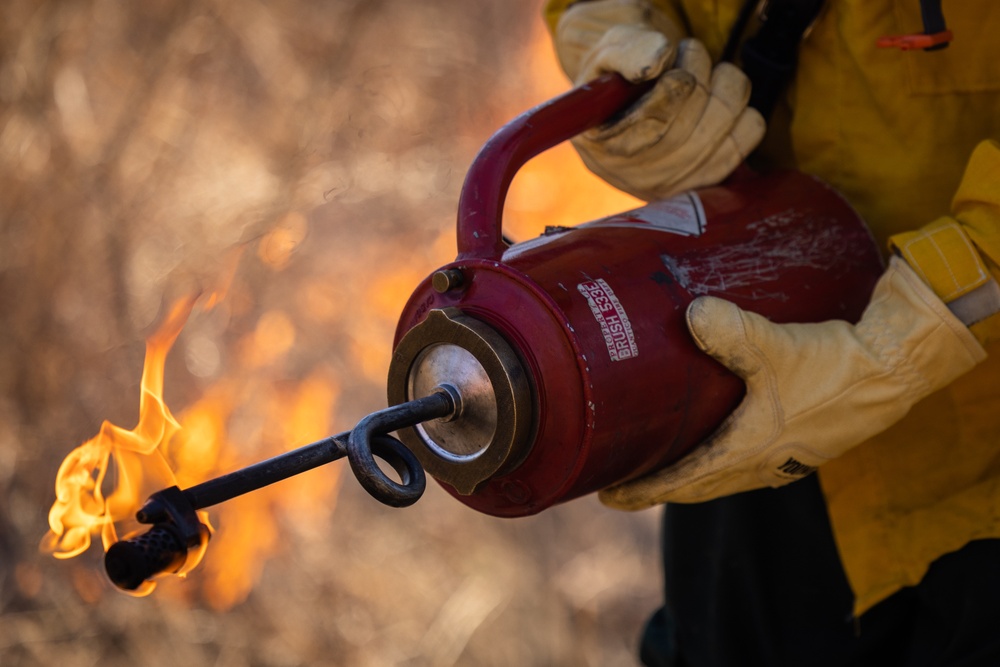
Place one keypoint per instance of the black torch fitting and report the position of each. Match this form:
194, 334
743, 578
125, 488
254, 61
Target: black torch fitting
161, 550
133, 561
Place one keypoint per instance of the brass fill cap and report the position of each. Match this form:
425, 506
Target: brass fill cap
490, 432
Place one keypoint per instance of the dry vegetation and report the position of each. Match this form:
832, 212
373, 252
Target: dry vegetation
139, 143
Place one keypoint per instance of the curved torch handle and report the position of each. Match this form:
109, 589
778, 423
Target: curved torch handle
480, 207
362, 443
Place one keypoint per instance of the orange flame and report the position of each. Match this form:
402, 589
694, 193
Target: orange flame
81, 508
102, 483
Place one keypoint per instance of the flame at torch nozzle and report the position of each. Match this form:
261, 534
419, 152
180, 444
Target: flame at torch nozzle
164, 548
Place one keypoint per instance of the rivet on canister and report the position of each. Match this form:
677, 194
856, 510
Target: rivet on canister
446, 280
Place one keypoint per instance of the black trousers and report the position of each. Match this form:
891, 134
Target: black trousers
754, 579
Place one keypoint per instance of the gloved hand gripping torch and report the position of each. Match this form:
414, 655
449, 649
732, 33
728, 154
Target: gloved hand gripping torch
529, 374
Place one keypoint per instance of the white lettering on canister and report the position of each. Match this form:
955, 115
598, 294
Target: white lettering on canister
611, 317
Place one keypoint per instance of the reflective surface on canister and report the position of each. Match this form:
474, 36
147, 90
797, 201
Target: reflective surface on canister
466, 434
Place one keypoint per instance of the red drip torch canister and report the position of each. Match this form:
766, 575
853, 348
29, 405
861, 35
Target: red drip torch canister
568, 355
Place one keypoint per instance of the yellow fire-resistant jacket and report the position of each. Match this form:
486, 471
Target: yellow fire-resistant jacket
910, 139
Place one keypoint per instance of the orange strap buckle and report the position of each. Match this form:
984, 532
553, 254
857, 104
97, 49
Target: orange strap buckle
917, 41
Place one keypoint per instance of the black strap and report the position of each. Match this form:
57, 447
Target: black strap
933, 16
770, 56
739, 27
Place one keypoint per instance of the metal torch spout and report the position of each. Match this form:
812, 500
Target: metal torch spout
171, 512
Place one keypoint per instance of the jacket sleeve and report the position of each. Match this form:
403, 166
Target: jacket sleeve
554, 10
960, 253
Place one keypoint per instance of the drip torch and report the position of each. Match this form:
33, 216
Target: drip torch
530, 374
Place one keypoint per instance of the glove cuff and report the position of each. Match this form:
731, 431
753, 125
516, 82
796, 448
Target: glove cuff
908, 322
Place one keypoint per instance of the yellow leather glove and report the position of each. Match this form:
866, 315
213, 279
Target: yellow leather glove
813, 390
630, 37
692, 129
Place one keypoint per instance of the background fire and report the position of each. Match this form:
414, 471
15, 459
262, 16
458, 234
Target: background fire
139, 143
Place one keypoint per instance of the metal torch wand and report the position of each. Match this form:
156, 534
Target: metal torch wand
172, 512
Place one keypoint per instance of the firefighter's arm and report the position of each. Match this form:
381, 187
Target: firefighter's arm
692, 129
816, 390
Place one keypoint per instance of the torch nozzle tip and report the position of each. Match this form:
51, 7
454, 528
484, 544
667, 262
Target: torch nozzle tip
133, 561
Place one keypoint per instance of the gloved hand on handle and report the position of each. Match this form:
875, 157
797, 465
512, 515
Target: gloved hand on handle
813, 390
630, 37
691, 130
